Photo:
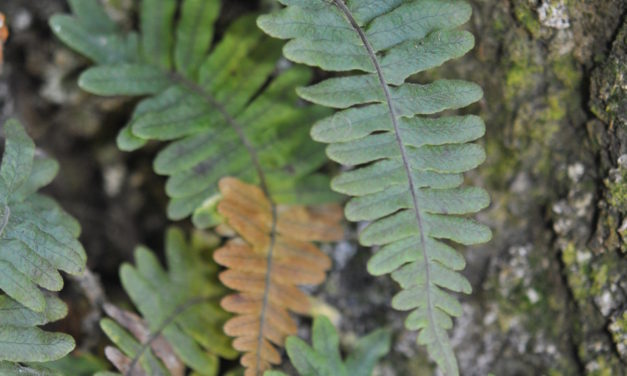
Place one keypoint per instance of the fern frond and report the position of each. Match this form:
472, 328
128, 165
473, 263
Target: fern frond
271, 257
21, 341
37, 240
32, 369
228, 113
180, 313
408, 165
324, 359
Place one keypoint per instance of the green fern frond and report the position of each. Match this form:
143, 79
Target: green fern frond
181, 319
32, 369
94, 35
230, 112
323, 359
78, 363
408, 165
21, 341
37, 240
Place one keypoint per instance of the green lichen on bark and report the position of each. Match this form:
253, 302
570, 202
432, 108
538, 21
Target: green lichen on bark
609, 83
558, 229
534, 300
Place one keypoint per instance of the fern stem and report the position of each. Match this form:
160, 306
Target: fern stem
263, 183
179, 310
266, 292
406, 163
197, 89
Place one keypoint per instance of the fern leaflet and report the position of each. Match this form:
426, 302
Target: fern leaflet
231, 113
409, 166
324, 358
181, 321
227, 113
273, 256
37, 239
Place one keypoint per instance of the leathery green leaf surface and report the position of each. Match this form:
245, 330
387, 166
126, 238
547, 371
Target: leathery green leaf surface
406, 159
179, 305
37, 241
225, 109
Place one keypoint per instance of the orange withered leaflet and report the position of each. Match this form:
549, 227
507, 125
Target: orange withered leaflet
4, 34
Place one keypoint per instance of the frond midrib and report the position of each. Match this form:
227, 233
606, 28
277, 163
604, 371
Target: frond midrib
178, 310
194, 87
406, 163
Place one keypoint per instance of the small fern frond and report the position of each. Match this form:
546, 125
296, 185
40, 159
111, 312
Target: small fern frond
181, 319
408, 165
230, 112
37, 240
94, 34
324, 359
267, 262
21, 341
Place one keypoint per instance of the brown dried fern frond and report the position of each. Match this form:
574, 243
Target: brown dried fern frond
269, 259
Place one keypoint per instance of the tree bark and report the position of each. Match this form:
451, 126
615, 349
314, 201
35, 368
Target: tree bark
549, 292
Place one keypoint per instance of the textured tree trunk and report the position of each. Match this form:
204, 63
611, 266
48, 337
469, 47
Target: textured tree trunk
550, 293
550, 290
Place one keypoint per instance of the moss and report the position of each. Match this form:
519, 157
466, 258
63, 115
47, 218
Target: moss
600, 279
608, 82
621, 326
567, 71
556, 110
622, 231
532, 301
520, 78
419, 365
612, 240
618, 192
555, 372
578, 284
602, 368
501, 163
618, 328
539, 115
576, 273
527, 18
498, 25
569, 254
